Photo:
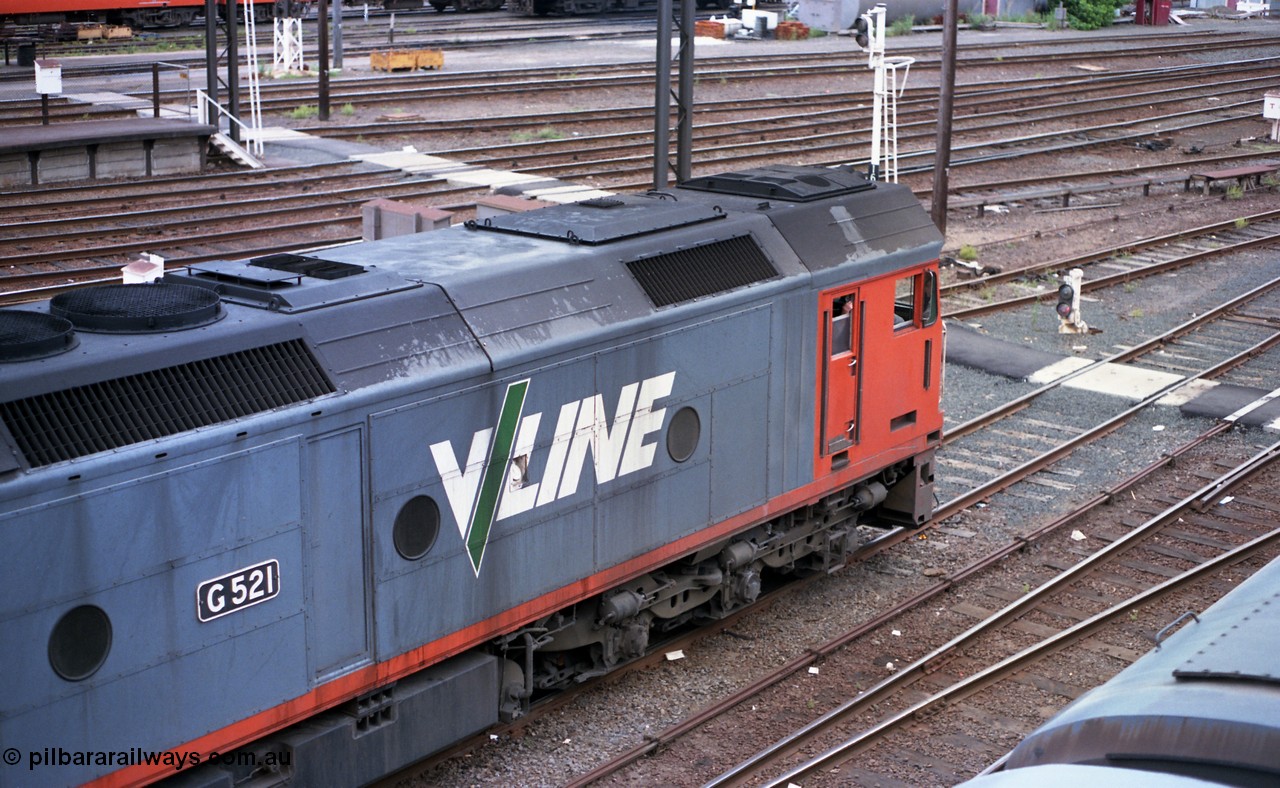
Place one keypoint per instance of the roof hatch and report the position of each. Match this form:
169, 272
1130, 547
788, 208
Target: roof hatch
783, 182
600, 220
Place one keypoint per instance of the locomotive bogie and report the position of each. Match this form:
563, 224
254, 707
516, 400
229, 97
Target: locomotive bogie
469, 466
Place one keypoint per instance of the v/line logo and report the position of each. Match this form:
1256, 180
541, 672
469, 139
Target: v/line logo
494, 483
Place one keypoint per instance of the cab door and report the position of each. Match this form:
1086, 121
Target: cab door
840, 329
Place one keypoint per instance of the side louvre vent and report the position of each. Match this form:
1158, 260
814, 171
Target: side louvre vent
98, 417
676, 277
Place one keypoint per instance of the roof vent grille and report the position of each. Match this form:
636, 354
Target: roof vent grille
686, 274
138, 309
25, 336
84, 420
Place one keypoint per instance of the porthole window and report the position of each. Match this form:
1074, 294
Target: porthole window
416, 528
683, 434
79, 643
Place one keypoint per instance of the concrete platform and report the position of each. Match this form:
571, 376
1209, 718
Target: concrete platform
31, 155
1210, 399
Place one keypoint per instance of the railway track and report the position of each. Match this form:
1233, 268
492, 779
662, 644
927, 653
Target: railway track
1036, 282
690, 743
1248, 332
1143, 565
915, 105
56, 229
821, 66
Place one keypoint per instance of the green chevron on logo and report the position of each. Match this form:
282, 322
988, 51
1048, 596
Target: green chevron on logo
494, 473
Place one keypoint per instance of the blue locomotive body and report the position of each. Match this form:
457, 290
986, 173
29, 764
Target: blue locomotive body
1203, 708
323, 514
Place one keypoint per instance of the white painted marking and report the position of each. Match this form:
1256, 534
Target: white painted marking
568, 197
1184, 394
1119, 380
1252, 406
489, 178
1058, 369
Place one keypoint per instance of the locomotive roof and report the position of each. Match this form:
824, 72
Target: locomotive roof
469, 301
1207, 695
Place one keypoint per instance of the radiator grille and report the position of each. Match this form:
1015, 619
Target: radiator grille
84, 420
676, 277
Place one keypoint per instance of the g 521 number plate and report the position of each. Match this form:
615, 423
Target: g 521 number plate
240, 589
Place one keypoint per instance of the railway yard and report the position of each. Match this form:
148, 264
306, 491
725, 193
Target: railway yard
1090, 488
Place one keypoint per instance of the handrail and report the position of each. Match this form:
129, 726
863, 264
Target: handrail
203, 115
155, 82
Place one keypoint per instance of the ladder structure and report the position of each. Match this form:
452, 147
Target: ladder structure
886, 90
255, 86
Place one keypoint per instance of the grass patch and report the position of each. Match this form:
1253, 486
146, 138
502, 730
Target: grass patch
902, 26
305, 112
348, 109
1235, 192
968, 253
1242, 223
544, 133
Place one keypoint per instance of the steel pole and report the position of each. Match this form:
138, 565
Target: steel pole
211, 49
946, 95
662, 98
337, 34
684, 101
323, 40
233, 66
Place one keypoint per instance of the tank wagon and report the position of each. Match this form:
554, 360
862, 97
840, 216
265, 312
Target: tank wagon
331, 512
1203, 708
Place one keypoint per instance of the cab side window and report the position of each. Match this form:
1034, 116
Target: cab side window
929, 314
841, 326
904, 303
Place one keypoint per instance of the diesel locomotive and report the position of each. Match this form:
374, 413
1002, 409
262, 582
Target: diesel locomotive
314, 516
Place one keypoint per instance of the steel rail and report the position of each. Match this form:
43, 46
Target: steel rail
1120, 277
812, 655
1036, 464
1154, 343
763, 130
621, 166
923, 665
277, 205
547, 79
974, 95
925, 192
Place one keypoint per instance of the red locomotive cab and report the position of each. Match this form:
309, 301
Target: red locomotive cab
879, 371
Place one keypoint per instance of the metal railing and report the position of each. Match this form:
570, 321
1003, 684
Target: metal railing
185, 76
209, 111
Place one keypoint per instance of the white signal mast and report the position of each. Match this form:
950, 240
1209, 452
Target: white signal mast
286, 55
885, 93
